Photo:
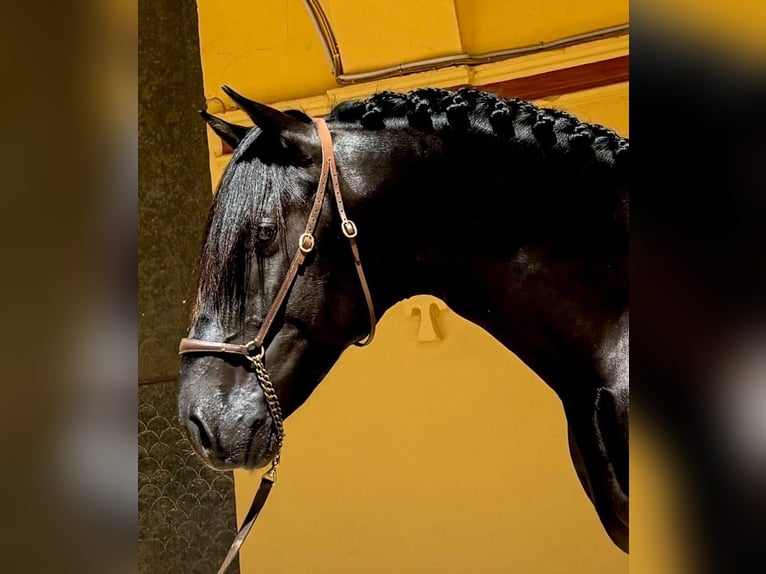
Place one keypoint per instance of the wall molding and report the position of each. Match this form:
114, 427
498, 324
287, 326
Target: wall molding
536, 76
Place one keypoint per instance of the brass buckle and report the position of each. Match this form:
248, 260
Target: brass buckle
349, 228
306, 243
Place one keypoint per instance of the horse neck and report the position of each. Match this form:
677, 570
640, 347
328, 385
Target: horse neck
532, 248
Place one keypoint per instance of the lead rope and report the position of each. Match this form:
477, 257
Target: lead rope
268, 479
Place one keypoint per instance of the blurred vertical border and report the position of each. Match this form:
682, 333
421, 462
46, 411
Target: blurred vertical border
68, 244
698, 270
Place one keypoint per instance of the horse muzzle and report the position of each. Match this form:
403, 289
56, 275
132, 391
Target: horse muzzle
228, 430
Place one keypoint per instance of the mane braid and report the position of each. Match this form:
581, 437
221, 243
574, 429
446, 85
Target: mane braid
472, 110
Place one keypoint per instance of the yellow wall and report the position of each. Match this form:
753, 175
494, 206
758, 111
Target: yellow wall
379, 33
415, 456
491, 25
447, 456
271, 52
257, 47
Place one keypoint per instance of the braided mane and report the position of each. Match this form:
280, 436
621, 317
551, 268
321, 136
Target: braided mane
469, 109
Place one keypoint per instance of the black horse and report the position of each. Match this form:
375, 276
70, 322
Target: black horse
515, 216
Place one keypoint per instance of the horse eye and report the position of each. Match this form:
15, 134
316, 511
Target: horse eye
265, 233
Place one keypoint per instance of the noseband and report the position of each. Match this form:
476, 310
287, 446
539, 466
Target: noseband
254, 350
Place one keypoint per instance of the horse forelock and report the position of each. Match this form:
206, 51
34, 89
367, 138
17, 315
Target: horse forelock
249, 190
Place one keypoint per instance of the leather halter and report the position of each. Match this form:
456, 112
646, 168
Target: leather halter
306, 244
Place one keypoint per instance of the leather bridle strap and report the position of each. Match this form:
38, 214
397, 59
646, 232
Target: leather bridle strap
349, 229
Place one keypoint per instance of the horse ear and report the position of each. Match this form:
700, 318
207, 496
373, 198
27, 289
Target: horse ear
269, 119
232, 134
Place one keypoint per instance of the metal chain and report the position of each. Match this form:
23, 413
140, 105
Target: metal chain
272, 401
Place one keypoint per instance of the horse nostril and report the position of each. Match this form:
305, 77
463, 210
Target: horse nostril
202, 433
